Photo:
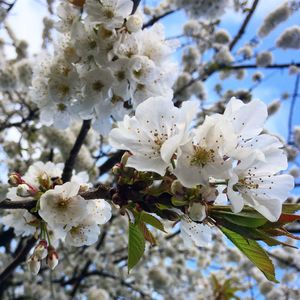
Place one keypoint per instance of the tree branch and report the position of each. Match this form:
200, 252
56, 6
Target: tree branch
135, 6
100, 192
216, 68
157, 18
69, 165
284, 261
21, 257
292, 108
244, 25
110, 162
23, 204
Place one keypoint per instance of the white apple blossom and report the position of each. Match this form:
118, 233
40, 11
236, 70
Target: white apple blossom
247, 119
206, 155
85, 233
256, 184
154, 134
110, 13
23, 223
195, 233
134, 23
99, 68
62, 206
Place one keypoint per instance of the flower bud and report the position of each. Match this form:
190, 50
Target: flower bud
78, 3
177, 188
117, 169
34, 264
15, 179
197, 212
170, 215
134, 23
273, 107
40, 250
297, 135
52, 259
125, 157
84, 188
23, 190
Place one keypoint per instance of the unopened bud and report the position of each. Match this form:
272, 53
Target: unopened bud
117, 169
23, 190
52, 259
40, 250
57, 181
15, 179
297, 135
78, 3
177, 188
294, 172
197, 212
84, 188
124, 158
273, 107
34, 264
134, 23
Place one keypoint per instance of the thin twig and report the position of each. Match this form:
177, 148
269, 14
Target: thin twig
244, 25
157, 18
69, 165
21, 257
216, 68
292, 109
135, 6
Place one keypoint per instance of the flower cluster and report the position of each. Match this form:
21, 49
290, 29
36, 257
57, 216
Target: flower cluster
105, 64
59, 211
226, 155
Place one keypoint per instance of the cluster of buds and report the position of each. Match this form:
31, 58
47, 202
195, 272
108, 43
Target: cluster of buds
23, 189
42, 251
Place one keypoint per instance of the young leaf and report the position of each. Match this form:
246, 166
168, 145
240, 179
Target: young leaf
153, 221
147, 234
290, 208
253, 251
250, 219
136, 245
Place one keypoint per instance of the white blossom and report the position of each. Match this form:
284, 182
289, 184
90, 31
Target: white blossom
154, 134
290, 38
252, 183
110, 13
272, 20
264, 59
203, 156
62, 206
194, 233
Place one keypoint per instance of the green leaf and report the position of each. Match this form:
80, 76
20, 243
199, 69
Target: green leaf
147, 233
249, 219
136, 245
290, 208
178, 202
253, 251
153, 221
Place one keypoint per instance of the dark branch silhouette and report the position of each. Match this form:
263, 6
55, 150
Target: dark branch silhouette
70, 162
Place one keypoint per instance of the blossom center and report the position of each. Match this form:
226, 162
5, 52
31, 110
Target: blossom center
108, 13
98, 86
246, 183
63, 89
63, 203
202, 156
61, 107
